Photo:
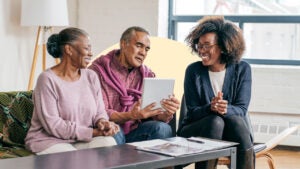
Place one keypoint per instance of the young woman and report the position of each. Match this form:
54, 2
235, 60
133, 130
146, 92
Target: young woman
218, 88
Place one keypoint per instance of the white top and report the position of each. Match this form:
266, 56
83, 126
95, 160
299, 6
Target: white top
217, 80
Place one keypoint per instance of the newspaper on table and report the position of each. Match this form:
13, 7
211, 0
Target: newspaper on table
179, 146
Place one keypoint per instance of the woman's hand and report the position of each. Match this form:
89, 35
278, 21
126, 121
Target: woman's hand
105, 128
218, 104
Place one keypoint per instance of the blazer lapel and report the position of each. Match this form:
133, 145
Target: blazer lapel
206, 83
228, 81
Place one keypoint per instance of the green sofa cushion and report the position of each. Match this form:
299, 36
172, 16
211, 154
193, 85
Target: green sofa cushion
15, 115
12, 152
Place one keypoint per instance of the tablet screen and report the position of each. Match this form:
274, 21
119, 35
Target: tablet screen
156, 89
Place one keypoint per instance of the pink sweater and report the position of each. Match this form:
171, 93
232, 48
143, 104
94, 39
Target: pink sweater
64, 112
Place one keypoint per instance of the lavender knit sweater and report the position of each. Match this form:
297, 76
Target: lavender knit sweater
64, 112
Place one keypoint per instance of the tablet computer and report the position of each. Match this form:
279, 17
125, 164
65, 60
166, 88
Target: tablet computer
156, 89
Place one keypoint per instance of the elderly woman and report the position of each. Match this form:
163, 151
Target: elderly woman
69, 112
218, 88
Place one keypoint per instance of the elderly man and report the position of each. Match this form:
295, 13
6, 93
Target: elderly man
121, 74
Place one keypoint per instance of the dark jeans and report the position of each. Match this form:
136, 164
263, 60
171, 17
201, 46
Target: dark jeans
232, 128
149, 130
120, 137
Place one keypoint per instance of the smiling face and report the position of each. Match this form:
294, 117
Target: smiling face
210, 52
134, 52
81, 52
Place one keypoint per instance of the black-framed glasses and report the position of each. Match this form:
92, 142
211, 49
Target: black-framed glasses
205, 47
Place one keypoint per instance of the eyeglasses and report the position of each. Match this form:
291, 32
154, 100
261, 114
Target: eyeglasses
206, 47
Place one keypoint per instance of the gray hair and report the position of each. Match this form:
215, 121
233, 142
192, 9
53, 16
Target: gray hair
127, 34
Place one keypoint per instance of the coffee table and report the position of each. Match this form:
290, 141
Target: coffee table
115, 157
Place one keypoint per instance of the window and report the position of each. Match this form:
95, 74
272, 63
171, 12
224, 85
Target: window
271, 27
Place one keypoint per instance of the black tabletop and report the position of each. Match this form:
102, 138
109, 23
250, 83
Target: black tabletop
114, 157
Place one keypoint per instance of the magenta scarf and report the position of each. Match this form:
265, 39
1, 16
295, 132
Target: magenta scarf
127, 96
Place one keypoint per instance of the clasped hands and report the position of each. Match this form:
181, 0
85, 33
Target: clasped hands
219, 105
170, 106
105, 128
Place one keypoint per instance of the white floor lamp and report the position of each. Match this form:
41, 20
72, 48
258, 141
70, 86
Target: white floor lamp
44, 14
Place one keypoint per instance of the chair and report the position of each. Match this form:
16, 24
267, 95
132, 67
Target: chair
269, 145
261, 150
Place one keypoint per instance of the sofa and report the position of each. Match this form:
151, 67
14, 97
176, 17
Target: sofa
15, 114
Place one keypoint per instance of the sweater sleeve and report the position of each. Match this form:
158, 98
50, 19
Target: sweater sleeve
46, 108
101, 112
104, 90
192, 91
242, 91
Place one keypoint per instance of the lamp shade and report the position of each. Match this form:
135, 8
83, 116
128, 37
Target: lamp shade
44, 13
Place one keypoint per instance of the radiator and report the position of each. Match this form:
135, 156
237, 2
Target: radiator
268, 125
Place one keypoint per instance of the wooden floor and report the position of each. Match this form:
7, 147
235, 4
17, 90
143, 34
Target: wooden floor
284, 158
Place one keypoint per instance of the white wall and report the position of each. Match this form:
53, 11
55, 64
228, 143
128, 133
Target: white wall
275, 89
106, 20
16, 44
103, 20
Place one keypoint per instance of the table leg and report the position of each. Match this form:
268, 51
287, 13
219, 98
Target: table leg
233, 158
